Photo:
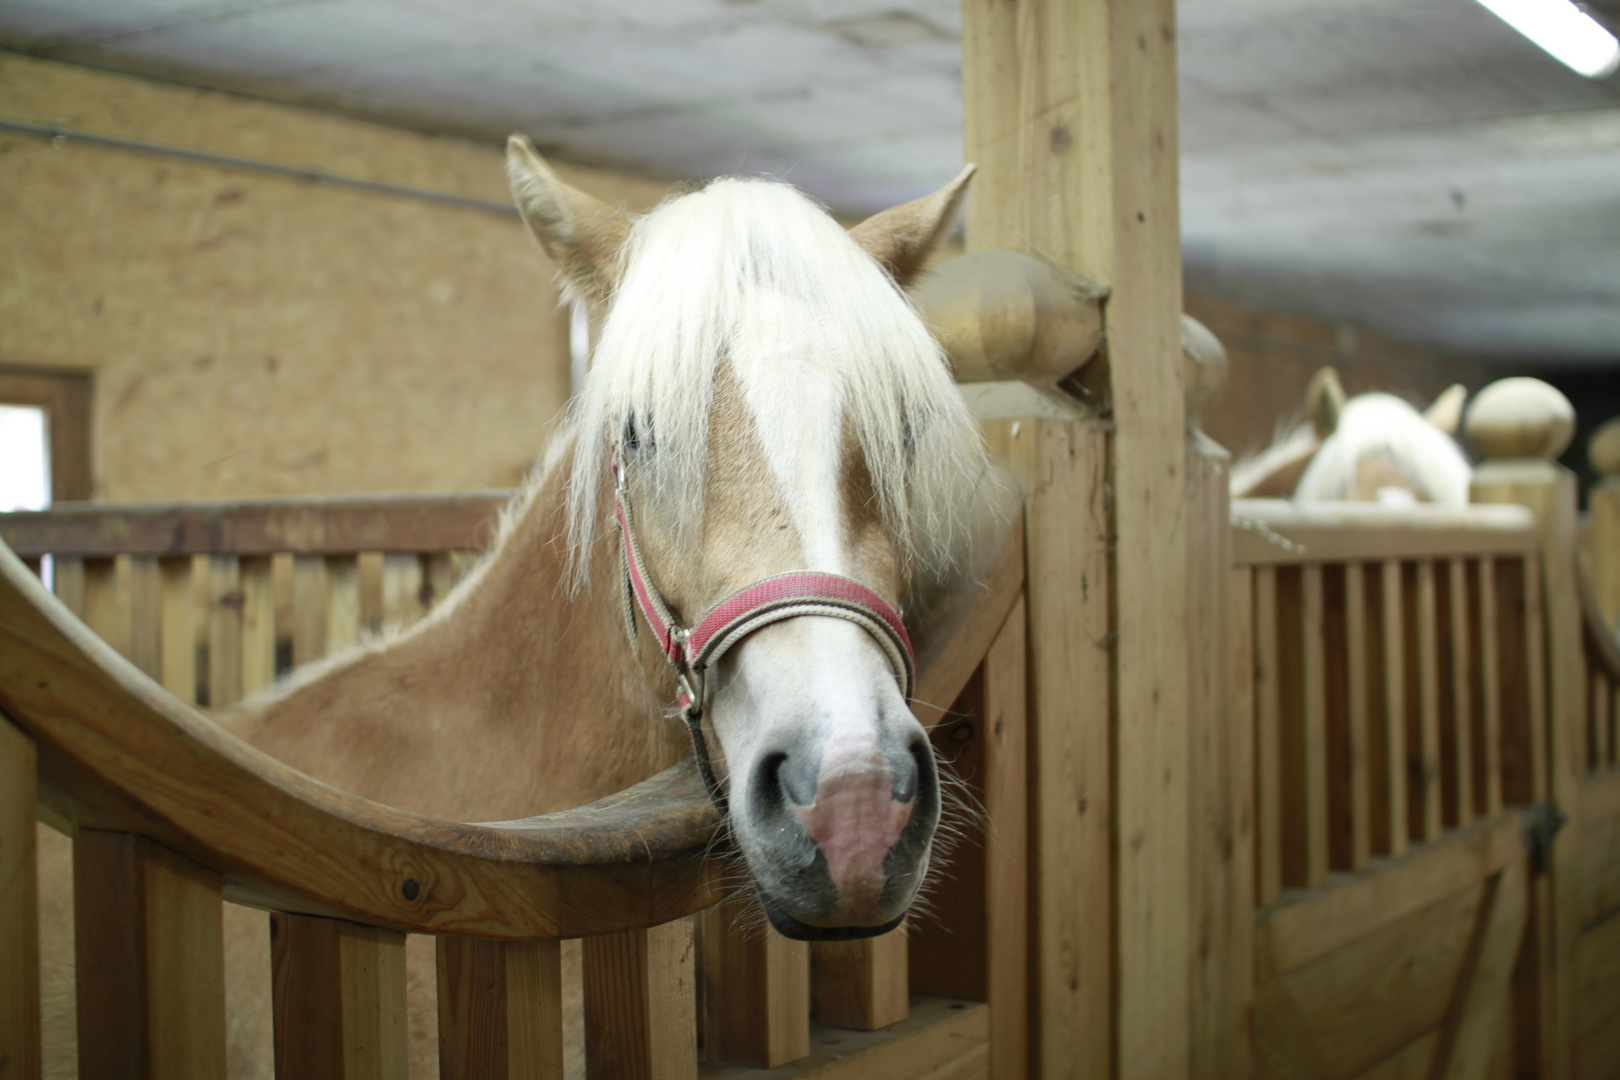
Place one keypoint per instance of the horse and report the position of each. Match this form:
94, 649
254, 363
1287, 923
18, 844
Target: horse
1370, 448
764, 410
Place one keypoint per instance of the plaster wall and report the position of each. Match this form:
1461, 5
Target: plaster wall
253, 334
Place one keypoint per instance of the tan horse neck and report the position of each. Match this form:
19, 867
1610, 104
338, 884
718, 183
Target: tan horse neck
521, 698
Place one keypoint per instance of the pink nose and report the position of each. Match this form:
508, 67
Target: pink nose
855, 820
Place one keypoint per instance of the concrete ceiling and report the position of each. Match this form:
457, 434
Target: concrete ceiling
1410, 165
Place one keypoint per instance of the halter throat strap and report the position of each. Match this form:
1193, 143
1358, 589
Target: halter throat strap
786, 596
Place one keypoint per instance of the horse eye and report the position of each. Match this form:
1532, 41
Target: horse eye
631, 435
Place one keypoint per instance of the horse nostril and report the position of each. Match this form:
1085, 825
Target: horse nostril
911, 769
779, 775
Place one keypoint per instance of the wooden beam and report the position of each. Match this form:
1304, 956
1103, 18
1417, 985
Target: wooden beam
19, 908
339, 999
862, 985
150, 961
500, 1010
1471, 1028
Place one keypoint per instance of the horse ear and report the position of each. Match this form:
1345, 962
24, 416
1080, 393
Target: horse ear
582, 234
1446, 412
1324, 401
902, 237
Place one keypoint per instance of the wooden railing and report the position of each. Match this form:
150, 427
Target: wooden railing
1394, 656
170, 814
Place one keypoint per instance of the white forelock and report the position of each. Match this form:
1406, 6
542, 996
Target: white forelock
752, 274
1371, 423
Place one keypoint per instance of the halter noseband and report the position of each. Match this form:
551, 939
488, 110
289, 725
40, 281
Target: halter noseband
786, 596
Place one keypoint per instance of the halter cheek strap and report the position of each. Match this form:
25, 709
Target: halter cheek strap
786, 596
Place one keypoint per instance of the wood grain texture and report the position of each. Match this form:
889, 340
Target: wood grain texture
20, 1051
1061, 468
1007, 857
756, 988
641, 1004
1267, 739
862, 985
1470, 1031
150, 960
500, 1010
339, 999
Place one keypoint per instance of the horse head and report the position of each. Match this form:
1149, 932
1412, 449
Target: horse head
764, 405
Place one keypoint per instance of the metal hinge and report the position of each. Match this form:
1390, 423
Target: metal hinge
1540, 824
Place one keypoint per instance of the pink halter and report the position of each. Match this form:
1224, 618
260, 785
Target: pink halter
786, 596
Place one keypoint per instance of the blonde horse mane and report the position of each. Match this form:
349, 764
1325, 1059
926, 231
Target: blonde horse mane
754, 276
1384, 424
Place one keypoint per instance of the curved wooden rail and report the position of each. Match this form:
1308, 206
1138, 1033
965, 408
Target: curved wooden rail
118, 752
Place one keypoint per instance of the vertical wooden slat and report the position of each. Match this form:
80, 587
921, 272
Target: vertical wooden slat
1315, 726
1336, 716
339, 999
438, 577
309, 612
178, 600
1267, 738
500, 1010
370, 569
67, 581
150, 962
1423, 741
1598, 712
258, 624
641, 1004
1379, 821
402, 589
19, 908
756, 988
1302, 745
860, 984
146, 615
342, 602
1490, 691
1462, 698
1357, 691
1522, 694
225, 601
106, 602
1007, 856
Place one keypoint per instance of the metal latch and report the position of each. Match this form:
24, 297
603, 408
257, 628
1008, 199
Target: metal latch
1540, 824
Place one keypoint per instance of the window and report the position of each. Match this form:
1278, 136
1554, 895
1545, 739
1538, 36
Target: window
25, 458
44, 437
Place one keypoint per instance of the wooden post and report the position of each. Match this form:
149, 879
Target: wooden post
641, 1004
500, 1010
1522, 425
756, 988
1070, 110
339, 999
150, 961
19, 908
1603, 521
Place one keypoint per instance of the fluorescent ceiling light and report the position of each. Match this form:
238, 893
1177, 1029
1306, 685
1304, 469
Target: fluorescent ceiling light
1571, 35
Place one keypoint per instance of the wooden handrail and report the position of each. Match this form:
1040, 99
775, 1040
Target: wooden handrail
303, 525
118, 752
1268, 532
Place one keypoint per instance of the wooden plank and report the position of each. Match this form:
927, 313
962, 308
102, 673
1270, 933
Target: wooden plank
1521, 704
1597, 978
178, 600
860, 984
438, 577
402, 589
309, 609
318, 525
1414, 1061
641, 1004
1602, 747
258, 625
1470, 1031
1490, 690
342, 602
1423, 741
1061, 467
1308, 925
20, 1050
1007, 863
1364, 1001
1385, 751
1599, 868
1357, 692
145, 615
225, 603
67, 581
370, 570
1461, 720
1302, 742
1338, 765
756, 988
339, 999
150, 960
106, 602
943, 1039
1236, 938
500, 1010
1267, 739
